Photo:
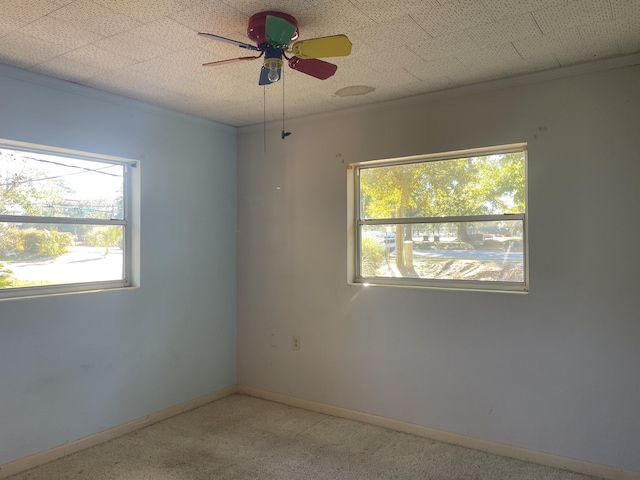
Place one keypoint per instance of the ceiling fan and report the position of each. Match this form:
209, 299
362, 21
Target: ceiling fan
273, 33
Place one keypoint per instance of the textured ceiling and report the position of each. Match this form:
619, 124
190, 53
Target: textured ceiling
149, 50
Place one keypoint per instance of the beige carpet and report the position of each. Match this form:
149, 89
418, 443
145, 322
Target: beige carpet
241, 437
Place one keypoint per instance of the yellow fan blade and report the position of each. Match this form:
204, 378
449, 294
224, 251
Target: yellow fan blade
334, 46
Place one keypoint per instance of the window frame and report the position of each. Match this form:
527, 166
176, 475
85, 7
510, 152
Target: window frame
356, 222
129, 251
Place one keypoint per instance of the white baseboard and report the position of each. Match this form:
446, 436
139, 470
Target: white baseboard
541, 458
40, 458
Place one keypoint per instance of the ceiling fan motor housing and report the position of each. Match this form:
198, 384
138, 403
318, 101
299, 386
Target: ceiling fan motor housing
257, 24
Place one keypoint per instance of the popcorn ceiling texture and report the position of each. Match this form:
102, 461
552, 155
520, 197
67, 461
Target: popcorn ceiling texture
148, 49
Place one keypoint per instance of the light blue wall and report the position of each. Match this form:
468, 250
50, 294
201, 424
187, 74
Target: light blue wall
74, 365
555, 371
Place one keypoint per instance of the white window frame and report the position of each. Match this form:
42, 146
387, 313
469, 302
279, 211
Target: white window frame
354, 223
129, 223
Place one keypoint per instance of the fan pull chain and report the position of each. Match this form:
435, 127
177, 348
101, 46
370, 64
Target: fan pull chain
264, 118
285, 134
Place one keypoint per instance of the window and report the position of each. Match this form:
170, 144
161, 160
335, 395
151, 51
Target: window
64, 221
451, 220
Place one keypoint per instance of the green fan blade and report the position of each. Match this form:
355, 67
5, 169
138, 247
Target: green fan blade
279, 32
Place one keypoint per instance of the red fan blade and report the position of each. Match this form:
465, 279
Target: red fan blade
229, 40
314, 67
230, 60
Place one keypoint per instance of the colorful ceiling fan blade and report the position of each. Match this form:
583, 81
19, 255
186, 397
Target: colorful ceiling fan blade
314, 67
229, 40
333, 46
278, 31
264, 76
230, 60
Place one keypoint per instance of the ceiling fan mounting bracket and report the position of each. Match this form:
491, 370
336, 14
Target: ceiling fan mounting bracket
257, 24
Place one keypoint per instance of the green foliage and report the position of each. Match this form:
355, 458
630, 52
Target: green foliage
373, 256
441, 246
107, 236
11, 240
55, 243
31, 241
5, 276
46, 242
25, 190
482, 185
512, 243
491, 184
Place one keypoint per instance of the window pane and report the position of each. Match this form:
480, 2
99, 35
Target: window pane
37, 254
55, 186
482, 185
486, 251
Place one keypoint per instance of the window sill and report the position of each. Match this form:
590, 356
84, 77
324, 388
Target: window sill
41, 294
479, 289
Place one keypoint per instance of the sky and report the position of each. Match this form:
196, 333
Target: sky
88, 179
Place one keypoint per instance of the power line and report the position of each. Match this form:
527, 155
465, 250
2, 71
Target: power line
85, 170
76, 166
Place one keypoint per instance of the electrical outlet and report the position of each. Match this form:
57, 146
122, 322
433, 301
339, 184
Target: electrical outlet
296, 342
